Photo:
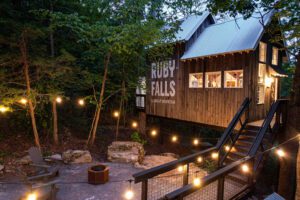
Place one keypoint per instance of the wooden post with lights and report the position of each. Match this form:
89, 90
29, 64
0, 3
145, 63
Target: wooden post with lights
144, 190
142, 122
186, 170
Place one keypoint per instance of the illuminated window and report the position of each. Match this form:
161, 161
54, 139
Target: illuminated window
261, 84
213, 80
196, 80
274, 56
262, 52
233, 79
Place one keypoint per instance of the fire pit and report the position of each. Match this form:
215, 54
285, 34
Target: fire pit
98, 174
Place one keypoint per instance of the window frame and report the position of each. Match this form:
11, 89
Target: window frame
277, 54
202, 85
261, 44
261, 84
228, 71
206, 79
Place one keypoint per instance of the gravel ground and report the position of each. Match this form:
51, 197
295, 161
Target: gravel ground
79, 189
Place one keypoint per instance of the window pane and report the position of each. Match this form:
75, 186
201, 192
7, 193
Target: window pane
213, 80
274, 56
262, 52
261, 73
141, 88
233, 79
196, 80
260, 94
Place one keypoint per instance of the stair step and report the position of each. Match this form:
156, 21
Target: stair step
247, 137
237, 177
244, 143
241, 148
250, 132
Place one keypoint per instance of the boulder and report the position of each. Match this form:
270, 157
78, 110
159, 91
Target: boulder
26, 160
126, 152
154, 160
57, 157
76, 156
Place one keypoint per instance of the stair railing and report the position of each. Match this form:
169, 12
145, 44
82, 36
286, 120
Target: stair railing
217, 191
216, 178
150, 177
277, 111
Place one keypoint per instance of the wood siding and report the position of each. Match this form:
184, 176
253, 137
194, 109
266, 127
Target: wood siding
211, 106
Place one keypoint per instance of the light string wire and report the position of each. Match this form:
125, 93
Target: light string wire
157, 177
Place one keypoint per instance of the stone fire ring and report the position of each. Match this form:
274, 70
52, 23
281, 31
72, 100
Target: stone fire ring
98, 174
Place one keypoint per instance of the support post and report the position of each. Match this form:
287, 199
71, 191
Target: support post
144, 190
220, 194
142, 122
186, 174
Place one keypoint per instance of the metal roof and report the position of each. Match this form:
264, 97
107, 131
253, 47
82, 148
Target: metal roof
189, 25
228, 37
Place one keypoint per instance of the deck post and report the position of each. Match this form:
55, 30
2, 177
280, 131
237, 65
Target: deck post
220, 194
186, 174
144, 190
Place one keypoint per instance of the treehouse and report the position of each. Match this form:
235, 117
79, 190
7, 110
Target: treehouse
214, 68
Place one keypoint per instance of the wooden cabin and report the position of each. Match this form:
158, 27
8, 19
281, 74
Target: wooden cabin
214, 68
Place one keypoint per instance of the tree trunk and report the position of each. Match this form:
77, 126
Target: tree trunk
55, 126
288, 167
23, 49
92, 135
120, 108
297, 196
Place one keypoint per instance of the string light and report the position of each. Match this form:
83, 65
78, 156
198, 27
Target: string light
227, 148
174, 138
196, 182
180, 169
280, 153
23, 101
199, 159
58, 99
134, 124
214, 155
3, 109
31, 196
129, 193
245, 168
154, 133
116, 114
196, 142
81, 102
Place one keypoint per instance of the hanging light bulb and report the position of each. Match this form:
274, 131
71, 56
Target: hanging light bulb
3, 109
116, 114
227, 148
31, 196
23, 101
196, 142
174, 138
58, 99
280, 153
196, 182
134, 124
199, 159
153, 133
245, 168
180, 168
81, 102
214, 155
129, 195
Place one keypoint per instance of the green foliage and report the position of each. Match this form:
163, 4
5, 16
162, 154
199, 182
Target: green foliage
209, 165
136, 137
287, 82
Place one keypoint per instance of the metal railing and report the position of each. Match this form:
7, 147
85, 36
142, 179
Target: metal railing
217, 185
153, 181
